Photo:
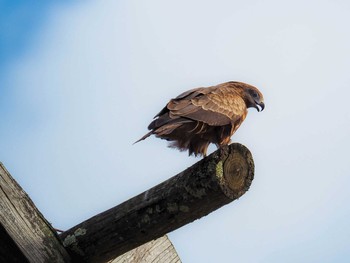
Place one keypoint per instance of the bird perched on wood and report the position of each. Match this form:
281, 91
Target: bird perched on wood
201, 116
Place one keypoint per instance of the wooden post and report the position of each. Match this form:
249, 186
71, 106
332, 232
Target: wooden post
209, 184
24, 233
159, 250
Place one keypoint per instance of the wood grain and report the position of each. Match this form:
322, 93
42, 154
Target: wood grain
160, 250
25, 225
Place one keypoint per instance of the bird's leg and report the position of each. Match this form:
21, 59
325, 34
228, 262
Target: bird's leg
223, 146
223, 149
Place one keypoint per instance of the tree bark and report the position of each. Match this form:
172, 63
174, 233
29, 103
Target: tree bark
209, 184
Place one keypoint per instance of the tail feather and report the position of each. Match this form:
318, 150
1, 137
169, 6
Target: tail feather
144, 137
194, 145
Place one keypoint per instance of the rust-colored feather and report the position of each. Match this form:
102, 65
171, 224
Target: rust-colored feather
201, 116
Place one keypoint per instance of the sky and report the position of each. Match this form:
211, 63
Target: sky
81, 80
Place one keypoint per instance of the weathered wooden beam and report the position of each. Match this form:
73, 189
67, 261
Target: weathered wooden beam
209, 184
159, 250
32, 237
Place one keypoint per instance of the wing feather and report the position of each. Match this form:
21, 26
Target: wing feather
192, 93
215, 106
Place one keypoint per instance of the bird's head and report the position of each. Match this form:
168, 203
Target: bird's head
253, 98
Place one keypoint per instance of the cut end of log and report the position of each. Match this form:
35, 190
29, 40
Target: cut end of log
235, 171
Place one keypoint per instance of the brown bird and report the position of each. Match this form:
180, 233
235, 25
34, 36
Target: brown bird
201, 116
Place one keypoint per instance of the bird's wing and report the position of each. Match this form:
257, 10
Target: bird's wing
214, 106
187, 95
192, 93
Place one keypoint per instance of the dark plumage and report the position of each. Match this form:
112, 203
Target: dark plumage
201, 116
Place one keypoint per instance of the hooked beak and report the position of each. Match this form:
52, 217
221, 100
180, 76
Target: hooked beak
262, 106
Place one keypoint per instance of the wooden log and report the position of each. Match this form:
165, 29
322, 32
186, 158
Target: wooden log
30, 237
209, 184
159, 250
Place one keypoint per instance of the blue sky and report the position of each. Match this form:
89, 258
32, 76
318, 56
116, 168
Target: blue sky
81, 81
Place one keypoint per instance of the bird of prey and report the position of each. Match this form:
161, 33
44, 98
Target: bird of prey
201, 116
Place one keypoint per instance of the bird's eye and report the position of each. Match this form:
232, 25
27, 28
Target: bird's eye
254, 94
